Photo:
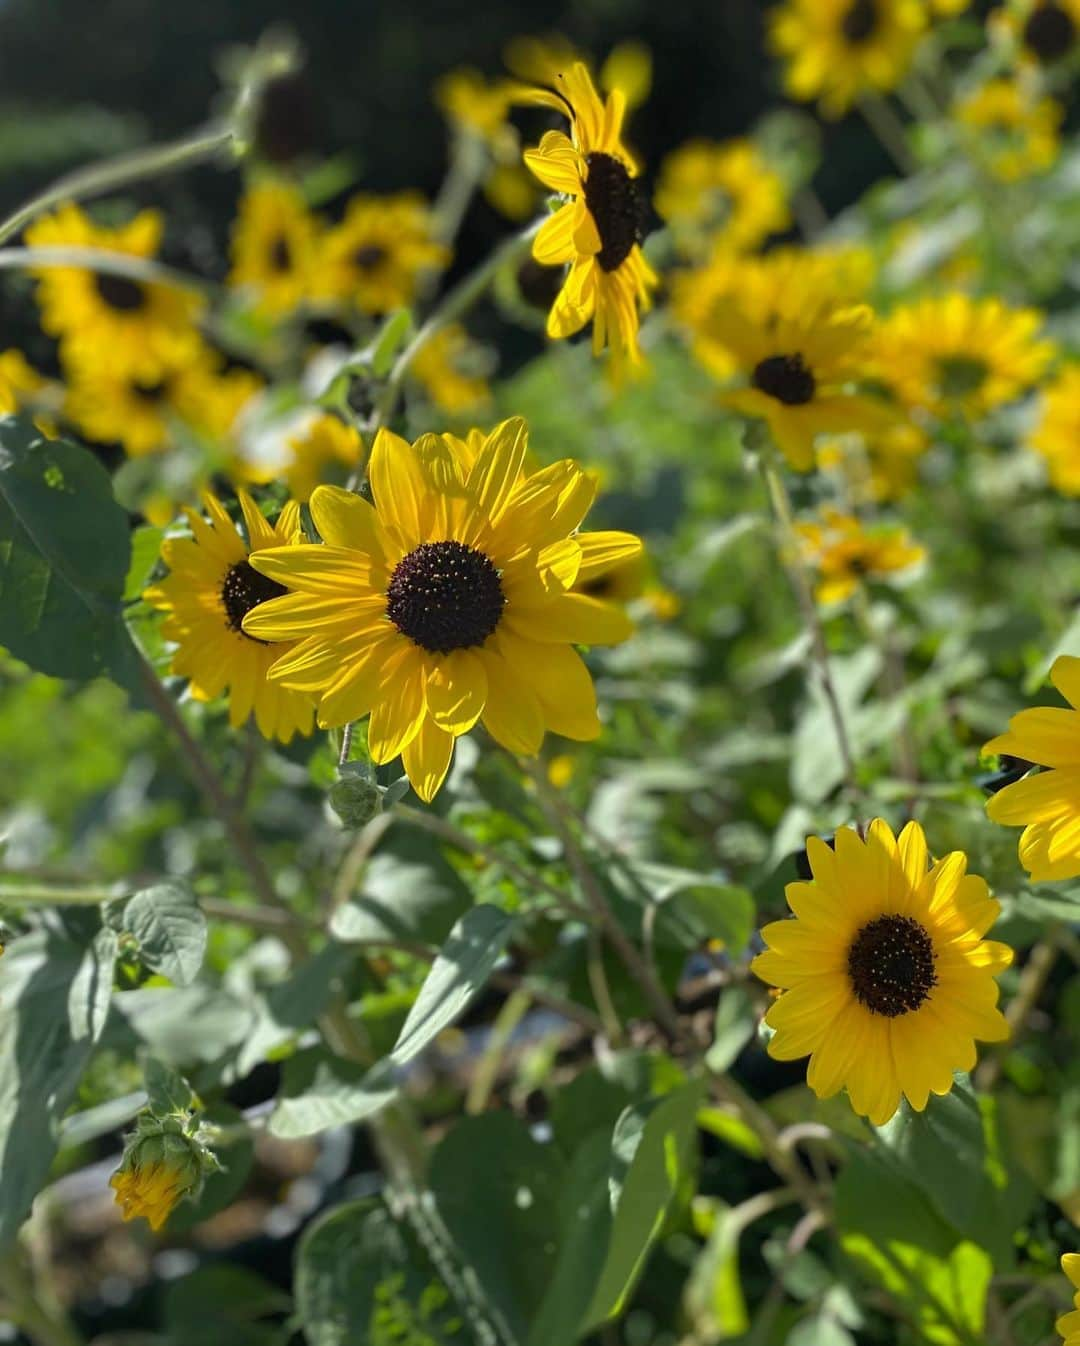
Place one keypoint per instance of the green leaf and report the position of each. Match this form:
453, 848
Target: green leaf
361, 1281
293, 1005
735, 1026
64, 556
392, 336
464, 964
820, 1330
497, 1191
221, 1305
409, 891
653, 1152
692, 907
52, 1011
714, 1295
145, 551
170, 928
185, 1025
166, 1089
320, 1091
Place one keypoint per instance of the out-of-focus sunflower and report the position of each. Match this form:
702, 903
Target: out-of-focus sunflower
274, 247
879, 467
309, 449
19, 381
478, 109
598, 231
837, 50
129, 324
845, 553
1012, 128
374, 258
1046, 32
1057, 435
1069, 1324
446, 602
211, 587
959, 355
723, 194
441, 367
1046, 803
887, 980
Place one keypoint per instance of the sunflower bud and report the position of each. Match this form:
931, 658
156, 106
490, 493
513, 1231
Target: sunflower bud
355, 800
164, 1161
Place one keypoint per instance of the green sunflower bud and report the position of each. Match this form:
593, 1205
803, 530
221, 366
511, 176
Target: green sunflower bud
355, 800
165, 1160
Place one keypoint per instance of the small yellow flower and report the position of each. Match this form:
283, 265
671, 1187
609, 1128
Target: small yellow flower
1057, 436
845, 553
837, 50
959, 355
1016, 131
375, 257
129, 324
724, 194
1046, 803
1069, 1324
274, 247
441, 368
887, 980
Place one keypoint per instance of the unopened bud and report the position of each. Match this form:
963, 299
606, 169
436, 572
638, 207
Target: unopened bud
355, 800
164, 1161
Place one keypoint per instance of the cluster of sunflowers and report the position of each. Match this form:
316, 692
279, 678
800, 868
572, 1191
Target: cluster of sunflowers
456, 586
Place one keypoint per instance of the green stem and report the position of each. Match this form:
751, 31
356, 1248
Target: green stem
96, 179
468, 163
514, 1009
44, 894
889, 129
106, 262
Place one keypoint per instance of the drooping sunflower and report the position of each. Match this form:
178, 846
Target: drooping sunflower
125, 323
1016, 131
1047, 802
446, 602
956, 355
374, 258
845, 553
442, 368
837, 50
723, 194
1069, 1323
1057, 435
887, 981
211, 587
274, 247
598, 231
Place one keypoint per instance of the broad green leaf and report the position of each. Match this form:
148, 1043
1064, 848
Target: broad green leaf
464, 964
81, 1127
653, 1152
221, 1305
52, 1010
820, 1330
293, 1005
735, 1026
64, 556
361, 1281
170, 928
184, 1024
320, 1091
145, 551
408, 891
166, 1089
497, 1191
714, 1298
593, 1101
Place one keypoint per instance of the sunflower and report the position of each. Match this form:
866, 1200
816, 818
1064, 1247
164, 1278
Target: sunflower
624, 581
1046, 803
845, 554
961, 356
447, 602
19, 381
129, 324
887, 981
441, 367
1047, 31
375, 257
210, 589
1015, 131
274, 244
725, 194
1069, 1324
1057, 436
142, 412
598, 231
838, 50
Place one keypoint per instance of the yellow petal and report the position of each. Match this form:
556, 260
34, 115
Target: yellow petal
573, 618
345, 519
456, 690
427, 759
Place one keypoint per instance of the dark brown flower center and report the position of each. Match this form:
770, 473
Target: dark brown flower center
369, 256
1050, 32
616, 205
891, 965
787, 378
151, 393
860, 22
280, 254
120, 293
600, 587
243, 589
445, 596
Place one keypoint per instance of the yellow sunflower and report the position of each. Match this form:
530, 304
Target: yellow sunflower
274, 245
211, 587
1069, 1324
887, 980
956, 355
845, 553
1057, 436
1016, 131
375, 257
837, 50
447, 601
1047, 803
441, 367
724, 194
1047, 31
19, 381
598, 231
142, 412
121, 322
